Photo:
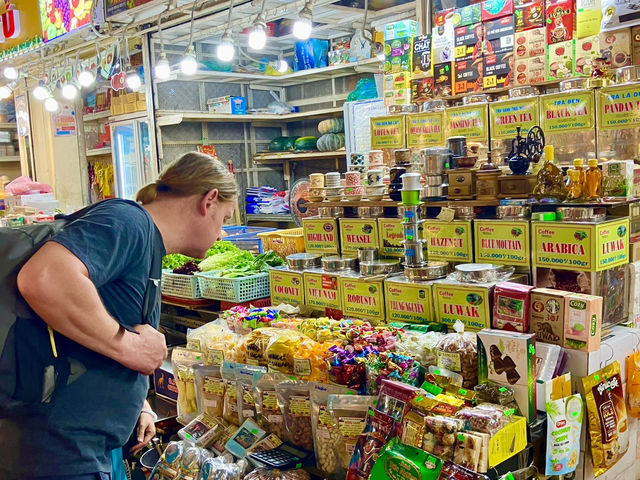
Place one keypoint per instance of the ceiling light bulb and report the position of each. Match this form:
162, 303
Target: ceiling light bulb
69, 91
51, 105
10, 73
257, 37
133, 80
163, 69
85, 78
283, 66
5, 92
225, 50
189, 64
40, 93
302, 29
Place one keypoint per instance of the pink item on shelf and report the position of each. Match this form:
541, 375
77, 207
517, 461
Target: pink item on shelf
25, 186
353, 179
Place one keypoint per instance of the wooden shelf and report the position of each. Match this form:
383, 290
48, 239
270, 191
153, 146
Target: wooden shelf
92, 117
10, 159
99, 151
357, 203
266, 217
463, 203
8, 126
603, 204
166, 117
279, 157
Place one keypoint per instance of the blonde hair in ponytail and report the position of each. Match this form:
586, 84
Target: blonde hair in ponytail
191, 174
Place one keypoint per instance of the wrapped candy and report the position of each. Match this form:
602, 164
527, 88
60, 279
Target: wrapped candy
401, 368
347, 366
419, 345
260, 317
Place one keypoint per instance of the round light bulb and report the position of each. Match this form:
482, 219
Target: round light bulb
40, 93
225, 51
283, 66
85, 78
302, 28
69, 91
257, 37
163, 69
5, 92
133, 80
189, 65
10, 73
51, 105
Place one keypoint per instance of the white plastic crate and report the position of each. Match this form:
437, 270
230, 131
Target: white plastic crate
182, 286
234, 289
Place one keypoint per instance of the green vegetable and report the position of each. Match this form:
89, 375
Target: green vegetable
175, 260
220, 261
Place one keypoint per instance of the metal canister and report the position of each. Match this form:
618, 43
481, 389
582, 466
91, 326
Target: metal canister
436, 160
413, 253
303, 261
458, 146
367, 254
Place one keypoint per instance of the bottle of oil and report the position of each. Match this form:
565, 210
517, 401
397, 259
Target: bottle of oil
593, 181
550, 179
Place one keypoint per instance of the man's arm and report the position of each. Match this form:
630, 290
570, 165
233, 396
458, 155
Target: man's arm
57, 286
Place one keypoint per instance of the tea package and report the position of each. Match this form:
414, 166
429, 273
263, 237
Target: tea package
633, 384
396, 458
607, 417
511, 306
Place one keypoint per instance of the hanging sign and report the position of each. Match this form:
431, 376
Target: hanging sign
566, 112
470, 122
619, 107
425, 130
20, 28
60, 17
387, 132
507, 116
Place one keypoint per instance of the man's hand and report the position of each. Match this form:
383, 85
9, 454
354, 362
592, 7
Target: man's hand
145, 351
146, 430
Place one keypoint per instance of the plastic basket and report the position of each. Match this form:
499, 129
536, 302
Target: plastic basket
182, 286
234, 289
250, 243
284, 242
233, 230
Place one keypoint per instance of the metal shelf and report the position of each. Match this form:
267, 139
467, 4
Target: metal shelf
92, 117
279, 157
99, 151
266, 217
167, 117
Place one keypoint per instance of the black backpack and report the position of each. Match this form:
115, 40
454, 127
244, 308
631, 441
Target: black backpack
29, 371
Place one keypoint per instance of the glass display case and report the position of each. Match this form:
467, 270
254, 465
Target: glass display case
131, 156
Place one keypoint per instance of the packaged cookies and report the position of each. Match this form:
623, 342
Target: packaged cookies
458, 352
396, 459
440, 436
294, 397
485, 418
468, 450
633, 384
210, 389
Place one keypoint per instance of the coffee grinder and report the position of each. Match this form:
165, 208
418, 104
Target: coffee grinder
524, 151
462, 180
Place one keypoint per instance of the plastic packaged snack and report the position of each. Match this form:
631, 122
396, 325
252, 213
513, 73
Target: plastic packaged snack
396, 458
607, 417
202, 430
281, 349
420, 345
244, 384
183, 361
413, 429
257, 343
495, 393
485, 418
467, 450
210, 389
268, 411
633, 384
294, 397
230, 403
377, 433
324, 426
309, 361
273, 474
458, 352
168, 467
219, 469
564, 425
451, 471
440, 436
394, 400
349, 413
221, 345
190, 461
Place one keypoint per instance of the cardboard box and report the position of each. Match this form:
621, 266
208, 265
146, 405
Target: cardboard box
357, 233
397, 81
421, 90
398, 55
450, 241
496, 29
467, 15
529, 15
321, 235
583, 322
286, 286
617, 179
560, 60
635, 45
547, 315
634, 251
511, 303
616, 47
443, 75
401, 29
422, 65
469, 75
636, 181
321, 290
363, 298
228, 104
443, 43
586, 50
498, 70
560, 15
469, 303
468, 42
444, 16
408, 300
588, 18
164, 383
391, 237
398, 97
530, 70
530, 43
496, 9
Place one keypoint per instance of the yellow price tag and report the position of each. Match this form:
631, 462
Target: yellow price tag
461, 51
490, 82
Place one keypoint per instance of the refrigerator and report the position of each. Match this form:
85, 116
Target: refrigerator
131, 156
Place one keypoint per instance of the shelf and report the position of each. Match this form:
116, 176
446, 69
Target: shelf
371, 65
354, 204
267, 217
8, 126
463, 203
279, 157
603, 204
92, 117
165, 117
99, 151
497, 91
11, 159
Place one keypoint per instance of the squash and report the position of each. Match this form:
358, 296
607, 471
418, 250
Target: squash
306, 143
331, 125
330, 142
282, 144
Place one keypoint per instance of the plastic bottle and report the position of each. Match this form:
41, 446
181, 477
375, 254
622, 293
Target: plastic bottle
593, 182
574, 186
578, 164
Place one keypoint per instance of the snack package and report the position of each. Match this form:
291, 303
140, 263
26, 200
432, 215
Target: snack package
420, 345
396, 458
485, 418
413, 427
511, 306
497, 394
376, 434
309, 360
467, 450
393, 366
183, 361
190, 461
273, 474
257, 343
451, 471
294, 397
440, 436
633, 384
323, 426
220, 468
168, 467
281, 349
607, 417
394, 400
246, 437
221, 345
618, 14
268, 412
563, 434
244, 384
210, 389
202, 430
230, 403
458, 352
349, 414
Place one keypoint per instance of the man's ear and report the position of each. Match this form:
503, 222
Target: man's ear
208, 200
